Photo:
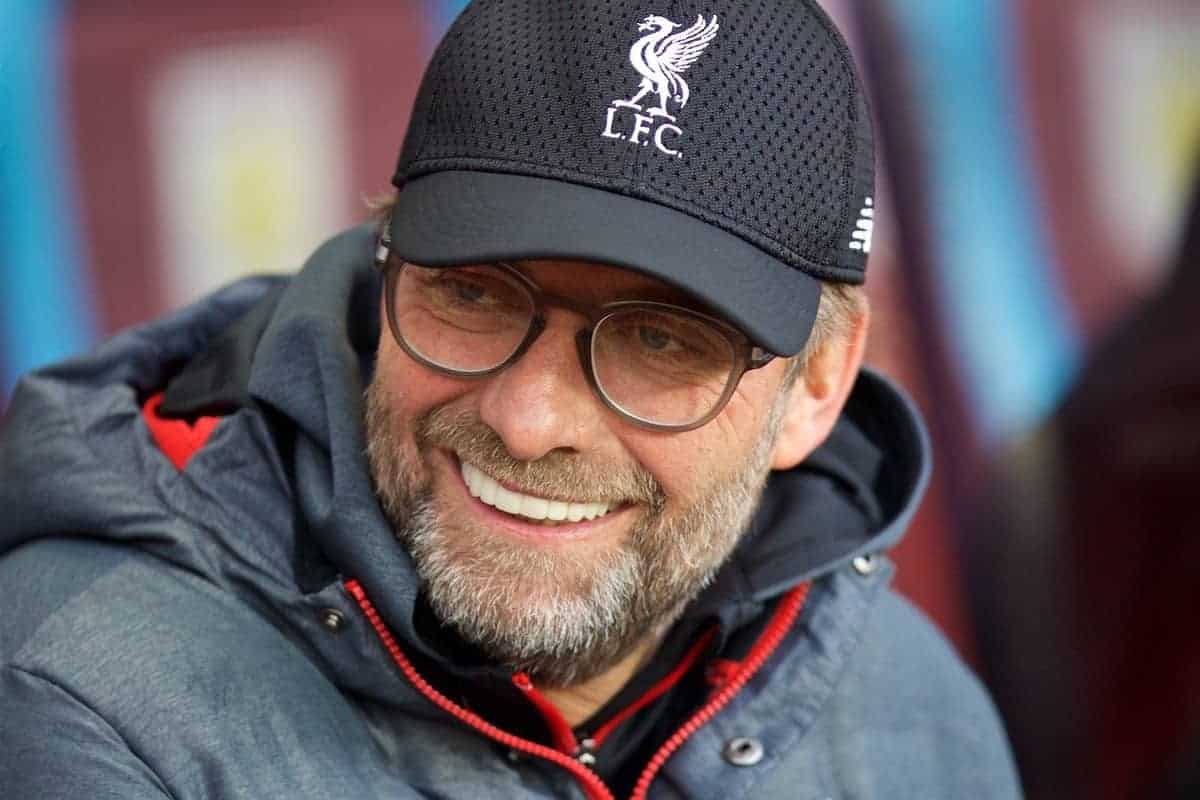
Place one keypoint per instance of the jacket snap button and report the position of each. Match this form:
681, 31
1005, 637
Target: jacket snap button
333, 620
743, 751
865, 565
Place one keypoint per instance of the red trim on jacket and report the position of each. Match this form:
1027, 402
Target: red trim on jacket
781, 622
590, 781
720, 671
177, 438
659, 689
560, 729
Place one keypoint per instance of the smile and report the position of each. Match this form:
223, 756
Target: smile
538, 509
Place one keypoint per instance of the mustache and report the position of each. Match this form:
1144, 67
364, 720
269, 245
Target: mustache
558, 475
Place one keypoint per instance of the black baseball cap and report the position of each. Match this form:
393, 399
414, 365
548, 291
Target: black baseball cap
724, 147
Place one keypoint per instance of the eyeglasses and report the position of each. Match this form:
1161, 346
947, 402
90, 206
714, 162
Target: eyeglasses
660, 366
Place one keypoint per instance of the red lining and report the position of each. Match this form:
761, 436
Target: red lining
178, 439
720, 671
777, 628
657, 690
780, 623
590, 781
560, 729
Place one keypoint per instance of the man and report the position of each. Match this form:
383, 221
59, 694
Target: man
608, 521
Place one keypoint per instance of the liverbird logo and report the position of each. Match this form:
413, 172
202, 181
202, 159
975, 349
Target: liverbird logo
661, 58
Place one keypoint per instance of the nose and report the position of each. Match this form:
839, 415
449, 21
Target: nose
543, 402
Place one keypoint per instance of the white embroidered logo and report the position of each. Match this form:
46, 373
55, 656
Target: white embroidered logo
865, 230
661, 57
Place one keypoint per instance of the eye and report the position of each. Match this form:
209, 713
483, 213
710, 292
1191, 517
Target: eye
468, 291
657, 338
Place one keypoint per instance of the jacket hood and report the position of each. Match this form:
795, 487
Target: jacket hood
279, 506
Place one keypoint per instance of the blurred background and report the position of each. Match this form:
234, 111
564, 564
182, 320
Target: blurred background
1034, 282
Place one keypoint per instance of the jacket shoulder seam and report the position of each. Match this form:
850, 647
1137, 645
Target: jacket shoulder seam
79, 701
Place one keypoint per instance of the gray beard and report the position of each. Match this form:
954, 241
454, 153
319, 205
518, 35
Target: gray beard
566, 615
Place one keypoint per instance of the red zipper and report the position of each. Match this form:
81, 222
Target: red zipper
560, 729
593, 786
772, 637
656, 691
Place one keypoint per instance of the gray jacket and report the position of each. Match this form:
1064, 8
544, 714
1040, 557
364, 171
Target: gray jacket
200, 632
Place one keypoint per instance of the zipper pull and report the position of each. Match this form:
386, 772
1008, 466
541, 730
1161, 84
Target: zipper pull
585, 752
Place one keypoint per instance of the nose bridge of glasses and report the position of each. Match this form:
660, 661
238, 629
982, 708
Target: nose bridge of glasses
544, 300
540, 323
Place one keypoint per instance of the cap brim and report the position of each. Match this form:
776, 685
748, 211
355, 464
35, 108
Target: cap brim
458, 217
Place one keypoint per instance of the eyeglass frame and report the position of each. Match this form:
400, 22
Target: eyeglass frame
747, 356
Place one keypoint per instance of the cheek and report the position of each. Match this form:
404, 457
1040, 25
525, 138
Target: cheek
742, 421
688, 465
413, 388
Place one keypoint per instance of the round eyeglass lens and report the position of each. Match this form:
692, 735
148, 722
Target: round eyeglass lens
466, 319
661, 366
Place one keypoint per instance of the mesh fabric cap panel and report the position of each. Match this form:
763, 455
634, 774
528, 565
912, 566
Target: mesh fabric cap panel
774, 144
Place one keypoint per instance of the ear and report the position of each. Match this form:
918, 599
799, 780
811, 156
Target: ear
816, 399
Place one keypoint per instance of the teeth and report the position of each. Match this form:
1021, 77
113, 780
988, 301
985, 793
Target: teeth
548, 512
534, 508
487, 491
506, 501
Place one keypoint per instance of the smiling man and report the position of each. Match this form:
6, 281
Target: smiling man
562, 536
561, 480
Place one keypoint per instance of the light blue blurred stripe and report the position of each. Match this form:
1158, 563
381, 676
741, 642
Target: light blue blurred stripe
449, 9
1002, 299
44, 292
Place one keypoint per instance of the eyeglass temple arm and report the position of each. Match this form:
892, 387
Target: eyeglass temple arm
383, 248
760, 358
